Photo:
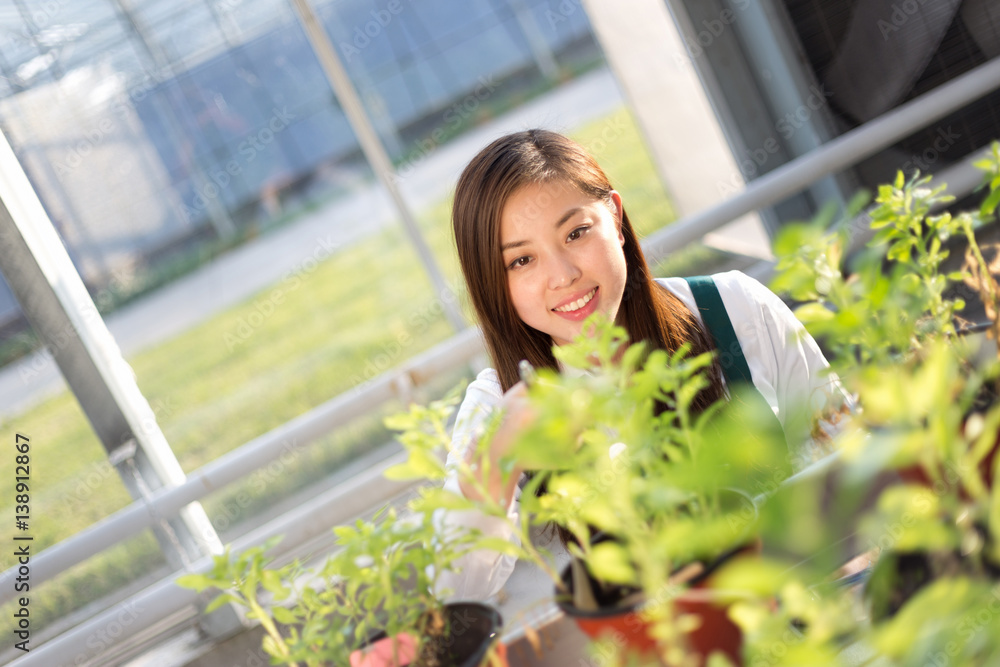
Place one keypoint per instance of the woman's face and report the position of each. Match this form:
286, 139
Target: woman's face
563, 256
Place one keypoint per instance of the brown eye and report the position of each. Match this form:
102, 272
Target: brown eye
519, 262
576, 233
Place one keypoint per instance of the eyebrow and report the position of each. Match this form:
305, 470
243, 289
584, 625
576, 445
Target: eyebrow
562, 221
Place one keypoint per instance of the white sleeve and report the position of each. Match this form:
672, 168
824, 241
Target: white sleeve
786, 364
478, 574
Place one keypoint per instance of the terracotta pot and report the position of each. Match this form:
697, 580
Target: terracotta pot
474, 627
716, 631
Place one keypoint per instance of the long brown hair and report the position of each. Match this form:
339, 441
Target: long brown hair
648, 312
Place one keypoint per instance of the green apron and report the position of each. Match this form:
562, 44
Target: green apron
720, 328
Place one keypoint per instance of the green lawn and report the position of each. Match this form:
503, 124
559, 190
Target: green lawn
212, 396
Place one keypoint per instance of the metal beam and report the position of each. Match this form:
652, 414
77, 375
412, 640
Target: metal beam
218, 214
961, 178
241, 462
686, 142
840, 153
769, 42
152, 605
373, 149
56, 303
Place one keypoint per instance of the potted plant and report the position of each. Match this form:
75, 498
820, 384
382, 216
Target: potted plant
670, 504
650, 500
899, 298
929, 409
929, 596
372, 603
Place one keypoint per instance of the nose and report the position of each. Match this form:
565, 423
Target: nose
563, 271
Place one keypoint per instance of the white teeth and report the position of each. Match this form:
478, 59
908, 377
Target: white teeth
578, 304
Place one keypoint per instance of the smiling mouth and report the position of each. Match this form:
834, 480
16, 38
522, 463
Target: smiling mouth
578, 304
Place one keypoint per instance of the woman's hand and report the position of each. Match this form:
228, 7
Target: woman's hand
517, 415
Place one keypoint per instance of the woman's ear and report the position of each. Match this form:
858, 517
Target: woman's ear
618, 211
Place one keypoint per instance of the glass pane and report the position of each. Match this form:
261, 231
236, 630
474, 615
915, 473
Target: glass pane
213, 197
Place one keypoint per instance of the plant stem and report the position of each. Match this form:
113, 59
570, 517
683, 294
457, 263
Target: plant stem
987, 286
536, 557
270, 628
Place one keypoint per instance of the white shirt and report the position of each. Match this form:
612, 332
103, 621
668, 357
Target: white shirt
786, 365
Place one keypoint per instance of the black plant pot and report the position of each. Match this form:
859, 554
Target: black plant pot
472, 629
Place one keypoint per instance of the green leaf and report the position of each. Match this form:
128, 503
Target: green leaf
219, 601
900, 251
985, 164
499, 545
422, 464
285, 616
858, 202
813, 312
633, 356
401, 472
271, 581
933, 615
199, 582
609, 561
601, 515
271, 543
438, 498
989, 205
717, 659
761, 576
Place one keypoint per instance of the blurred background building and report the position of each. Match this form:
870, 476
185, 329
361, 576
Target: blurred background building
148, 127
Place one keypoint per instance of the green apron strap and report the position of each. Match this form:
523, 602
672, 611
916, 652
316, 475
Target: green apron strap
720, 328
730, 353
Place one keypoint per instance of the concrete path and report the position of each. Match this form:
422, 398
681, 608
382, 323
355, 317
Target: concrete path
245, 271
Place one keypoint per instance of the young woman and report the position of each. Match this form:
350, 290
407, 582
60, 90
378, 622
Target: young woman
544, 241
